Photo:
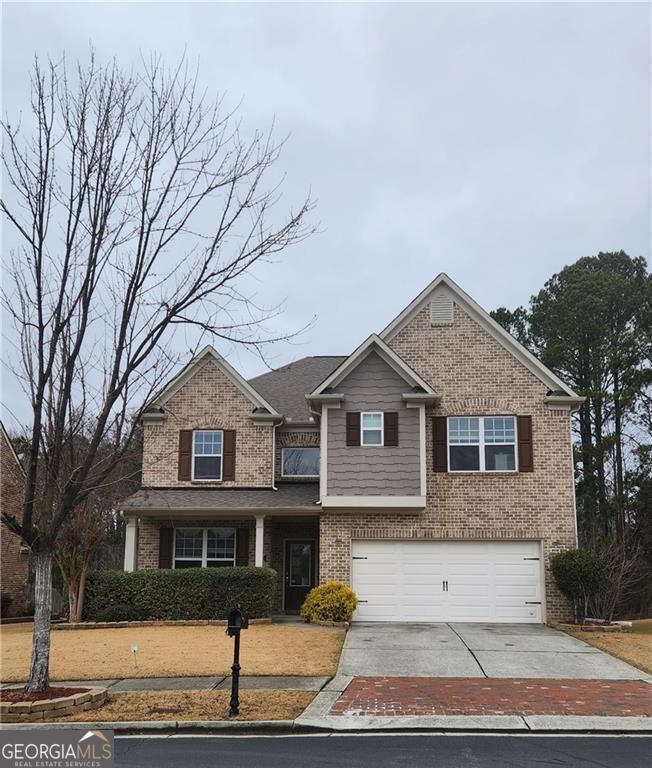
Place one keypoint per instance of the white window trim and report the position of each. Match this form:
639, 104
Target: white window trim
203, 560
482, 445
221, 455
374, 429
299, 448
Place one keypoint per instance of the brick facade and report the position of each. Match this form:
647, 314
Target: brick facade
14, 574
474, 375
208, 400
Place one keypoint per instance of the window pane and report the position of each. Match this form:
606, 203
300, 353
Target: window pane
208, 467
208, 443
219, 564
300, 562
464, 429
187, 563
372, 437
221, 543
465, 458
372, 420
499, 429
301, 462
499, 458
188, 542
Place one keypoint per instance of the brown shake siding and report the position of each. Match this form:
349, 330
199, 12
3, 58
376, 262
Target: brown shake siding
379, 470
209, 400
474, 375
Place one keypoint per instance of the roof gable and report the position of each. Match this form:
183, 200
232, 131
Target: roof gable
372, 344
484, 319
12, 450
209, 353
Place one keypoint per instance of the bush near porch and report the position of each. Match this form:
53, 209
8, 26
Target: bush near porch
189, 593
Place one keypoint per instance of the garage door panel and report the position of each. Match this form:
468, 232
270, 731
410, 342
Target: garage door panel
487, 581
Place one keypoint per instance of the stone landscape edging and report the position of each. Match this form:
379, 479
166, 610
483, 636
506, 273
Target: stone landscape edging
338, 624
38, 711
151, 623
590, 627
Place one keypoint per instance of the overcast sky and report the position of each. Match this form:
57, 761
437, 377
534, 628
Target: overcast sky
496, 143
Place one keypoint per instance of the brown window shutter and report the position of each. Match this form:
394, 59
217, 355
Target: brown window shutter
166, 537
391, 428
353, 427
439, 444
228, 455
525, 452
185, 454
242, 546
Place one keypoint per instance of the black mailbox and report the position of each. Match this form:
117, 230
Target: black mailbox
236, 621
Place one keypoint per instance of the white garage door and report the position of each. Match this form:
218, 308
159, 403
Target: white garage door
447, 581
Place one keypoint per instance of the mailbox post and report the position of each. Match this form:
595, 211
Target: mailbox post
237, 621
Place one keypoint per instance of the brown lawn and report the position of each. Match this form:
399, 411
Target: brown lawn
92, 654
197, 705
634, 647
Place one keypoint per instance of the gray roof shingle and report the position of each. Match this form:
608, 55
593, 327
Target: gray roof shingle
286, 387
288, 496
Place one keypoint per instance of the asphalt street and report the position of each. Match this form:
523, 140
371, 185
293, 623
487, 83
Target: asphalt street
435, 751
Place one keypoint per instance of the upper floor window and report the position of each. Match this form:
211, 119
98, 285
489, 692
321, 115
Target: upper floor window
482, 444
207, 454
204, 547
371, 428
300, 462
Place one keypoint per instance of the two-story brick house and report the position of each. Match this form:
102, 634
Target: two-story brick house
431, 469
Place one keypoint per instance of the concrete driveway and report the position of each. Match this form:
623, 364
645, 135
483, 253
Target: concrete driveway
476, 650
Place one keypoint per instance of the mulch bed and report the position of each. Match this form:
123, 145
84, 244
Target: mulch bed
18, 694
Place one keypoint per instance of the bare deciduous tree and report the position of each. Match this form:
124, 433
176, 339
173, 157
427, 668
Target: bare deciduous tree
139, 206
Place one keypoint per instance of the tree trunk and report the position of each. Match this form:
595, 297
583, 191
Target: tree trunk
618, 433
80, 593
39, 668
72, 600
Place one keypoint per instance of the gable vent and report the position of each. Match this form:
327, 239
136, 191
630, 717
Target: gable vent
441, 309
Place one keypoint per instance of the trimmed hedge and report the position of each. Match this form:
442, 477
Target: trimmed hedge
188, 593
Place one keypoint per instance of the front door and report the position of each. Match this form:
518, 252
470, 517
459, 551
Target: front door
299, 571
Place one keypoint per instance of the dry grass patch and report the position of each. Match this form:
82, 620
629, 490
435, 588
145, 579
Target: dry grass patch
93, 654
196, 705
634, 646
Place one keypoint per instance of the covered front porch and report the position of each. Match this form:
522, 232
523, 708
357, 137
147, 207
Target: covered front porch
170, 528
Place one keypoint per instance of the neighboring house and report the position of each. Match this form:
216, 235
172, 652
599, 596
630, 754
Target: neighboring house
431, 470
14, 562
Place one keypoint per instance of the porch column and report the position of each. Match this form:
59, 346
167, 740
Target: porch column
130, 544
260, 535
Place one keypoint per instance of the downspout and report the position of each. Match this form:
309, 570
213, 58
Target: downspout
274, 427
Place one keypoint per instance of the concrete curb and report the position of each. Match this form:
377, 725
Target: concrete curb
174, 726
531, 725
